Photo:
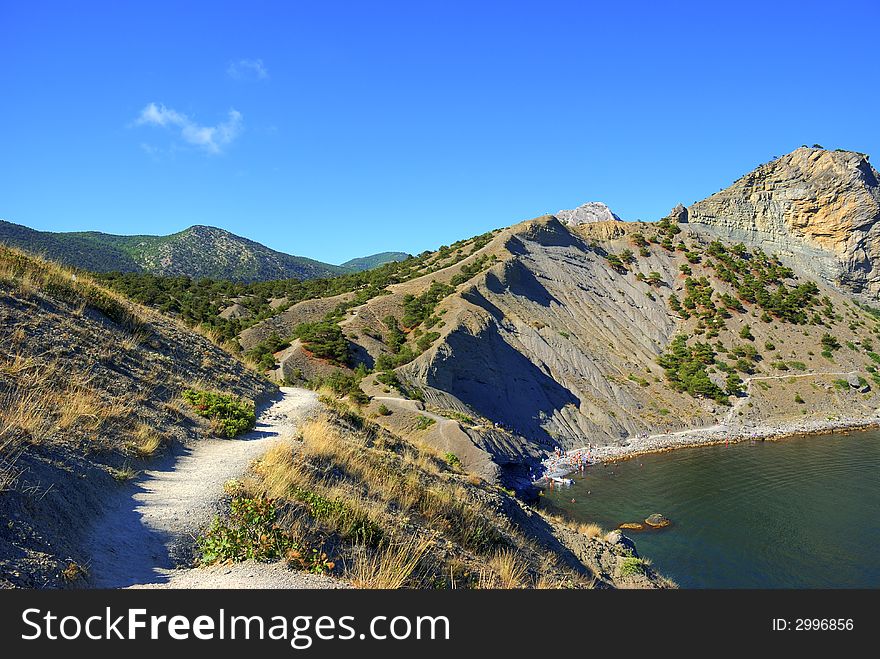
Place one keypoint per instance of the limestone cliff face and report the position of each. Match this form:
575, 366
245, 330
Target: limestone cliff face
819, 209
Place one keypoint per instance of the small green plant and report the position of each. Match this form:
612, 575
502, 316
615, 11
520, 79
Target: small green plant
229, 415
452, 460
798, 399
349, 522
642, 382
841, 385
250, 532
829, 343
631, 566
124, 473
424, 422
383, 410
457, 416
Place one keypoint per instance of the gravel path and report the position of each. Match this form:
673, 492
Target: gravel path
147, 535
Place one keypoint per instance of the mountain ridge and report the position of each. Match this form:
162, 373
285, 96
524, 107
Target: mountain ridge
199, 252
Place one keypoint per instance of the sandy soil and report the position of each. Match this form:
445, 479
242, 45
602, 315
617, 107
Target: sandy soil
147, 536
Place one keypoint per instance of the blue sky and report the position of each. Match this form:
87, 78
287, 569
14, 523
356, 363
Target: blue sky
334, 130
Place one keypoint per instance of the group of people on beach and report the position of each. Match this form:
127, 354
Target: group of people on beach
560, 461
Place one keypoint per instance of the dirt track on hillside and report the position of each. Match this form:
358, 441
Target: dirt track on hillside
146, 538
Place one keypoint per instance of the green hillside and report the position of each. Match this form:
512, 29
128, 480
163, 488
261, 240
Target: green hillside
374, 261
198, 252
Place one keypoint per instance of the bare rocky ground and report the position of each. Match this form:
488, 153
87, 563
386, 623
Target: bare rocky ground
248, 574
147, 537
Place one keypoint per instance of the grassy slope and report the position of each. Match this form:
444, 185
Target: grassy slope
90, 388
389, 513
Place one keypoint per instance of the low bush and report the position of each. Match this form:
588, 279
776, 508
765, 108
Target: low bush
250, 533
229, 415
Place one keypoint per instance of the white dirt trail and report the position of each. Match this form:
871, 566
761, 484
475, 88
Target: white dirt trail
145, 539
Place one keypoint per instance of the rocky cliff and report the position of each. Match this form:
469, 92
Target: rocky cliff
817, 208
561, 335
592, 211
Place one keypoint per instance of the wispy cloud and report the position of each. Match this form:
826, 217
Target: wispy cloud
209, 138
247, 69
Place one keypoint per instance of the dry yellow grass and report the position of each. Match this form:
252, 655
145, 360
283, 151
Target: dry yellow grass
509, 568
10, 449
146, 441
590, 530
124, 473
376, 476
391, 567
29, 274
81, 407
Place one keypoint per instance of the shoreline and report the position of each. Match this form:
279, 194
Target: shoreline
559, 467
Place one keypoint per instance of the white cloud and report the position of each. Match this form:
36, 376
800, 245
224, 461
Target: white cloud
247, 69
210, 138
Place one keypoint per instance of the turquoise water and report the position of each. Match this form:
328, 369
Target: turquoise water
797, 513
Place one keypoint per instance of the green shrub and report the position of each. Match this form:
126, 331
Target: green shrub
250, 533
229, 415
631, 566
418, 309
350, 523
425, 340
841, 385
383, 410
829, 343
452, 460
324, 339
686, 368
798, 399
424, 422
262, 353
469, 270
734, 384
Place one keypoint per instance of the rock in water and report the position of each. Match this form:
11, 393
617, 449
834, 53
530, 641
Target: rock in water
657, 521
632, 526
617, 538
592, 211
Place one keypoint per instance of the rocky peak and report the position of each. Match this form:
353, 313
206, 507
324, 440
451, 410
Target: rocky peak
592, 211
818, 208
678, 214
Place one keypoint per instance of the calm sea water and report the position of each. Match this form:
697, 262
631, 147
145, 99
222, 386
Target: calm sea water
798, 513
